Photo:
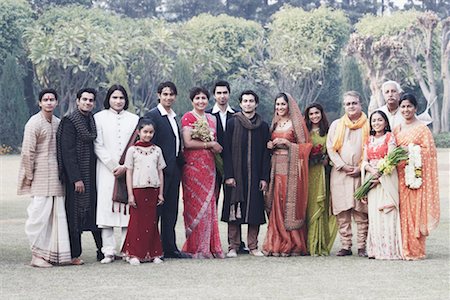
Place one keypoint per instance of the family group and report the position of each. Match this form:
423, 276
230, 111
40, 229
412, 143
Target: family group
298, 171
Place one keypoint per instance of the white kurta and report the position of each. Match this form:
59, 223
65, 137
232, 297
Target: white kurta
342, 186
113, 132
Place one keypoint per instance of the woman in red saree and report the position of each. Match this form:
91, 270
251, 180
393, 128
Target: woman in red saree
198, 179
419, 207
287, 197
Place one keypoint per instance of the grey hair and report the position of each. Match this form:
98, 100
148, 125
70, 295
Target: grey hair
397, 86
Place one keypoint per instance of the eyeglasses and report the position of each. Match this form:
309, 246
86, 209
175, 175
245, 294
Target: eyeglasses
354, 103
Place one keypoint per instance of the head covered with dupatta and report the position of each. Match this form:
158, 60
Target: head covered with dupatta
297, 173
296, 117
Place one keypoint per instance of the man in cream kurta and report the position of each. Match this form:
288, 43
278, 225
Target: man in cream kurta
115, 126
46, 226
345, 154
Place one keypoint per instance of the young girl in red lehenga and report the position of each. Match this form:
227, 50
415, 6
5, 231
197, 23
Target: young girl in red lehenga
144, 162
199, 177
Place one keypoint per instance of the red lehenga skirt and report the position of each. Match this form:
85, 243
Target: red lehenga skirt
143, 240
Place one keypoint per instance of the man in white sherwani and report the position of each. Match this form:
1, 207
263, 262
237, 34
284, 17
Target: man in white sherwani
115, 126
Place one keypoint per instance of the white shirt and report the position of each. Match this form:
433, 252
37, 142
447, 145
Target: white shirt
171, 116
395, 118
222, 114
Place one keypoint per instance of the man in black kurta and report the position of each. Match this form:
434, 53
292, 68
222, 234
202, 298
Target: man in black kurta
246, 168
77, 168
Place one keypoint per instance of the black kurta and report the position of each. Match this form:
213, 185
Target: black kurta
252, 209
85, 221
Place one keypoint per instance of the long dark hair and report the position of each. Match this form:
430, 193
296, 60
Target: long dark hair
112, 89
323, 124
387, 128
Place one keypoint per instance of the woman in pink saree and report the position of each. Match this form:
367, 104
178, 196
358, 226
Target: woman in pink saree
198, 179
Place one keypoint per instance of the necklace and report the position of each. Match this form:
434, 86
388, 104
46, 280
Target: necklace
198, 116
281, 125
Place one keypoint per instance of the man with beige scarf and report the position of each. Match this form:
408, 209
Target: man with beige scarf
345, 141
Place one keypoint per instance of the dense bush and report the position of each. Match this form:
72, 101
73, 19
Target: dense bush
442, 140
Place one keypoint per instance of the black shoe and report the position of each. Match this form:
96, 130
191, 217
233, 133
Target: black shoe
100, 255
243, 249
362, 252
176, 254
344, 252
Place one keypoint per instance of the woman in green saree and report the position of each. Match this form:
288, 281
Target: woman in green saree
322, 227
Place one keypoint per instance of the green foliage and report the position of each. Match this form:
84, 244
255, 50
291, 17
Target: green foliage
351, 76
15, 16
219, 46
150, 57
12, 105
442, 140
71, 47
182, 77
387, 25
301, 47
133, 8
182, 10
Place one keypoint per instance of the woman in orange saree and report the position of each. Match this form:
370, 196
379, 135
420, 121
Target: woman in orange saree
419, 206
198, 179
287, 197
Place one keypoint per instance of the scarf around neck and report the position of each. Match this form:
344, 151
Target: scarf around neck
237, 194
344, 123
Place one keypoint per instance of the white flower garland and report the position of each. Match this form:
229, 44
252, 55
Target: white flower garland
413, 170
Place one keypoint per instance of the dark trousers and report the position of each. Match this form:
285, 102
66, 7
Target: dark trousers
168, 212
75, 241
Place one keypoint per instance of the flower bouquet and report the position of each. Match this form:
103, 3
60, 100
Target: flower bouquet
413, 170
385, 166
202, 132
316, 156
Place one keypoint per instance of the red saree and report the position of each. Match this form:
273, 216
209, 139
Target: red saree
200, 213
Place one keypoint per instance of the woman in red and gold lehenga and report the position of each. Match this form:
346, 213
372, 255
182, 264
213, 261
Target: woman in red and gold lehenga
198, 179
419, 207
287, 197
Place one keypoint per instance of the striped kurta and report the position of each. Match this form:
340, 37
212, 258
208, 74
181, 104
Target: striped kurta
38, 162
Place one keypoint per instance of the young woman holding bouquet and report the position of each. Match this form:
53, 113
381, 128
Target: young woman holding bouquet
199, 179
384, 237
419, 191
322, 227
287, 197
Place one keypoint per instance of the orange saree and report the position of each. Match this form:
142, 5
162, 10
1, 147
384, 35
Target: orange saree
419, 208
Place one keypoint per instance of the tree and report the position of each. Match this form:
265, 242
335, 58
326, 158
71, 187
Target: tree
376, 46
440, 7
183, 10
15, 16
418, 48
13, 107
133, 8
301, 47
42, 5
72, 47
150, 58
219, 46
